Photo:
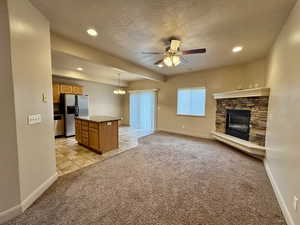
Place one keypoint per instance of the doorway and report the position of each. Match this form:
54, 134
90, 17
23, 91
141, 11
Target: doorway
143, 110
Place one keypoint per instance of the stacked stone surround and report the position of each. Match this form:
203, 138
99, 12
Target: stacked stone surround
259, 112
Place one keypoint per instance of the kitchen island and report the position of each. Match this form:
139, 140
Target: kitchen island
99, 133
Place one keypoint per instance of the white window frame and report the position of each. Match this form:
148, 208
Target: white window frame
179, 114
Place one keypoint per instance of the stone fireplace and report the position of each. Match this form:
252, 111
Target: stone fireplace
258, 109
241, 117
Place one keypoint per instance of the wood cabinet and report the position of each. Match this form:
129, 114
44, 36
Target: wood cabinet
94, 135
101, 136
84, 132
66, 89
108, 137
77, 90
59, 89
78, 130
56, 93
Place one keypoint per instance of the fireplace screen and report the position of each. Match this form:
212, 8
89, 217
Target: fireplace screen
238, 123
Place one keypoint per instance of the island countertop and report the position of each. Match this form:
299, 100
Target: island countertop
98, 119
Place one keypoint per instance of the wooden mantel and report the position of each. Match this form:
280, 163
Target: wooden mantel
246, 93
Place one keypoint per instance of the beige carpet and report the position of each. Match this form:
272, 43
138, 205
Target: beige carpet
166, 180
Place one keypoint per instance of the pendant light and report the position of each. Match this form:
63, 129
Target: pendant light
119, 90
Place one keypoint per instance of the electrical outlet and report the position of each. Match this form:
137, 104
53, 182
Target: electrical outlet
33, 119
182, 126
295, 203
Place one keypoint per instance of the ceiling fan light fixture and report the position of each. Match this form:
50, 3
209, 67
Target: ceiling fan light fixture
168, 61
176, 60
160, 65
172, 60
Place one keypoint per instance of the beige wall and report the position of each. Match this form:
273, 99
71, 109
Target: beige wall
9, 182
216, 80
283, 153
102, 101
31, 68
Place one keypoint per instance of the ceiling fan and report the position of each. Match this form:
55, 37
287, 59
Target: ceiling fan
172, 56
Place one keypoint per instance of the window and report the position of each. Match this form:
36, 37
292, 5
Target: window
191, 101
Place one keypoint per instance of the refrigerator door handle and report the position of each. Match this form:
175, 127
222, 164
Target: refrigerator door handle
76, 110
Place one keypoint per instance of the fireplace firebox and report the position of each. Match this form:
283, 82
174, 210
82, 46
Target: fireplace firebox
238, 123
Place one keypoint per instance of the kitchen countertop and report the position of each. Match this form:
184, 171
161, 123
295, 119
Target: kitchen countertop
98, 119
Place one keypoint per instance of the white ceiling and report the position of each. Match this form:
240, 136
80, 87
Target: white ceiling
66, 65
63, 61
127, 28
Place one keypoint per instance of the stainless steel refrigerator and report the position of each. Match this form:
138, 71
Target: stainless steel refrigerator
73, 106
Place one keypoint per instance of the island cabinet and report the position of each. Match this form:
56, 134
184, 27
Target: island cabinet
97, 133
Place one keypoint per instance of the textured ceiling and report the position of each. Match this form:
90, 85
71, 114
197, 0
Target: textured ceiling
126, 28
63, 61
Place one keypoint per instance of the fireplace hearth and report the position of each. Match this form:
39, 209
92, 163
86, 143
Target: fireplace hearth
238, 123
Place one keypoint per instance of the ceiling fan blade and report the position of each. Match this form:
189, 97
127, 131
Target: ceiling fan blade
153, 53
159, 62
194, 51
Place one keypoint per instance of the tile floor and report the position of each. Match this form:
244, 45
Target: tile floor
70, 156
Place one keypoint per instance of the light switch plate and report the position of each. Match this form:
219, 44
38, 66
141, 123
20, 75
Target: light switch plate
44, 97
295, 203
34, 119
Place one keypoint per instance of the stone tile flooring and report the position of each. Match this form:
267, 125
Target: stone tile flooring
70, 156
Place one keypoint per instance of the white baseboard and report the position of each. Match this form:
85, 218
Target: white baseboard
19, 209
186, 134
38, 192
279, 196
10, 213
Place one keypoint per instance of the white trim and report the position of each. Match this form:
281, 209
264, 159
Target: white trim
185, 133
190, 115
255, 92
143, 90
19, 209
246, 146
279, 196
10, 213
38, 192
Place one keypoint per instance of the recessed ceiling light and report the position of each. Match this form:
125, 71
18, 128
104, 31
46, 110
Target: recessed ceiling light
160, 65
79, 68
237, 49
92, 32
